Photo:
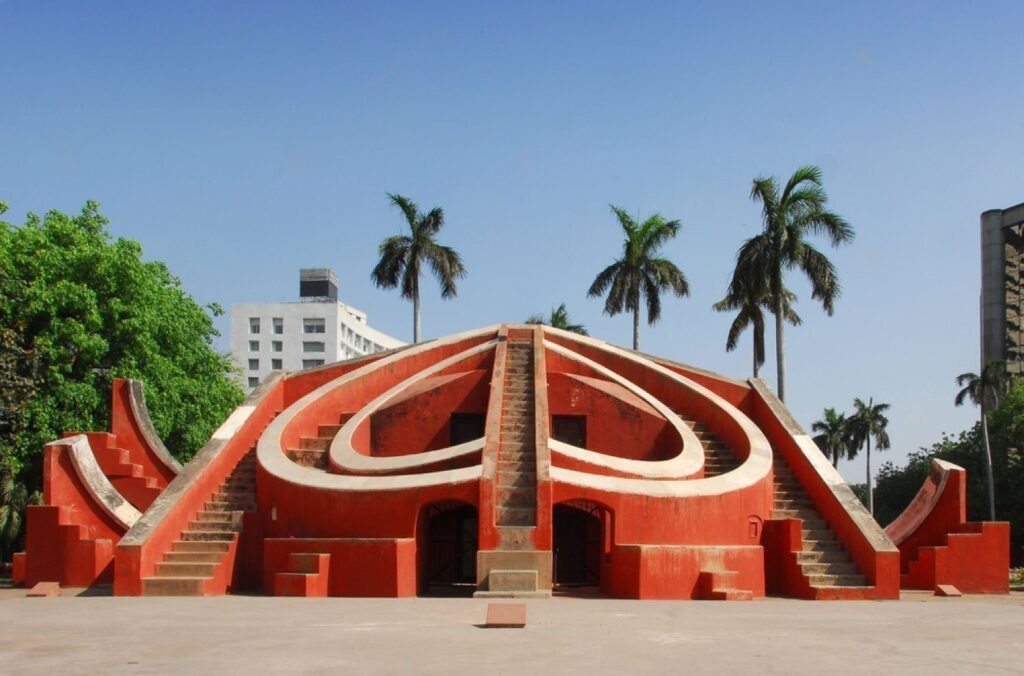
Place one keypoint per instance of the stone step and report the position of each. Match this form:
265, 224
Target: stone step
214, 515
802, 513
828, 568
517, 516
822, 546
234, 505
517, 496
194, 546
837, 580
185, 569
817, 535
792, 503
516, 479
194, 557
321, 443
226, 525
834, 556
308, 457
232, 496
524, 463
208, 536
173, 586
329, 431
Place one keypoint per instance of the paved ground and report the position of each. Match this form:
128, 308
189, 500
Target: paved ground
255, 635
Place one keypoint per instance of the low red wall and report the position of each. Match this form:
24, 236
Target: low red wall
358, 566
667, 572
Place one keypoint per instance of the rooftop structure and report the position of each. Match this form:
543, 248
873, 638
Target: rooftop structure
316, 330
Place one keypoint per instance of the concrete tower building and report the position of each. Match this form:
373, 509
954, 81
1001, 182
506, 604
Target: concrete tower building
1002, 296
313, 331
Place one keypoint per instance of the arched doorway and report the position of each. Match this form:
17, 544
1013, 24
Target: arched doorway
448, 546
579, 541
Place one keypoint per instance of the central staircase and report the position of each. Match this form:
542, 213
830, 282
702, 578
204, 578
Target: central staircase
718, 457
823, 560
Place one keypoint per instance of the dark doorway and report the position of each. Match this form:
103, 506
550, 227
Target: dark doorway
466, 427
578, 545
570, 429
448, 542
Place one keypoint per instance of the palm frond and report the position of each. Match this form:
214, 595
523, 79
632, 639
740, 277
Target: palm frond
408, 207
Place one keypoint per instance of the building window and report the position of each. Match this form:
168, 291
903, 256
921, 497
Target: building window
253, 381
310, 363
254, 346
314, 326
276, 346
278, 325
254, 324
254, 364
310, 346
275, 364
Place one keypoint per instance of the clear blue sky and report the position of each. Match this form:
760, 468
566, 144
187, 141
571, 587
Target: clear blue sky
241, 141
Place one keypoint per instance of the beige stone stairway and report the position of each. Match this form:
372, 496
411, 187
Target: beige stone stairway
516, 568
823, 561
718, 457
517, 452
195, 559
313, 451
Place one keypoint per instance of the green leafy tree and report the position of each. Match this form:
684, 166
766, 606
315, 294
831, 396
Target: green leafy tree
82, 309
832, 435
985, 391
869, 422
749, 299
789, 216
559, 319
640, 275
402, 257
14, 499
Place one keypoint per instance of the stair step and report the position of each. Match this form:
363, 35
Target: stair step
515, 537
811, 569
225, 525
837, 580
516, 479
517, 516
195, 546
185, 569
515, 496
208, 536
193, 557
329, 431
173, 586
835, 556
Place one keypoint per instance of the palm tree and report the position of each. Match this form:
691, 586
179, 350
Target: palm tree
788, 218
985, 391
13, 500
640, 273
750, 299
559, 319
402, 257
833, 436
869, 422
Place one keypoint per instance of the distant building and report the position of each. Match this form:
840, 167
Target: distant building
1002, 296
316, 330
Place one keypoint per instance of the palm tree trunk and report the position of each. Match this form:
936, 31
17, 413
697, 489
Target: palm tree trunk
871, 495
636, 327
780, 355
756, 365
988, 467
416, 317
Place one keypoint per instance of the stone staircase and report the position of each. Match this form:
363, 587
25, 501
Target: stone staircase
718, 457
823, 560
313, 451
517, 452
127, 477
194, 560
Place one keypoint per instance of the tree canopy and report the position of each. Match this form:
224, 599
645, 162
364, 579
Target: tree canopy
80, 308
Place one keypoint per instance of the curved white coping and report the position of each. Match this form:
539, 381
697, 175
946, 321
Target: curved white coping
924, 502
753, 469
140, 412
96, 482
271, 456
687, 462
344, 455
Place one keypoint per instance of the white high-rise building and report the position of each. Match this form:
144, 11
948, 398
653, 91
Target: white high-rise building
315, 330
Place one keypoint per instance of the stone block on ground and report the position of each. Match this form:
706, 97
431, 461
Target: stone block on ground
506, 615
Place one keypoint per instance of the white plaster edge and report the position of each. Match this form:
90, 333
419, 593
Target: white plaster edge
687, 462
137, 401
271, 456
103, 493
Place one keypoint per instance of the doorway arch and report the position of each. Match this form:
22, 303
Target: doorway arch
581, 539
447, 543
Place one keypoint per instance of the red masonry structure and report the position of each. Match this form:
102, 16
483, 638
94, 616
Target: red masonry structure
505, 462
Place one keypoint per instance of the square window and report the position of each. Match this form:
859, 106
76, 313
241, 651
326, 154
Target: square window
310, 346
278, 325
254, 325
275, 364
310, 363
254, 364
254, 346
253, 381
314, 325
276, 346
